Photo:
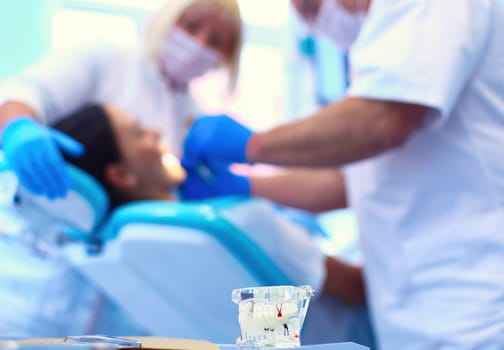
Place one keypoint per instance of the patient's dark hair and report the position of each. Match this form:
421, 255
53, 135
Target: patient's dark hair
91, 126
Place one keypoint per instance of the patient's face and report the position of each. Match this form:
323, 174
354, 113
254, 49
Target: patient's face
142, 153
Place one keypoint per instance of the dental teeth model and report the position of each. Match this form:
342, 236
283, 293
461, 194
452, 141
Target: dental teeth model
271, 316
269, 323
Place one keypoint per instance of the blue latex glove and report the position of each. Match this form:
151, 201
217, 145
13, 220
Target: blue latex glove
215, 180
216, 139
33, 152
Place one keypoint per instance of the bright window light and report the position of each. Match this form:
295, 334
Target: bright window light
260, 96
269, 13
255, 12
147, 5
73, 26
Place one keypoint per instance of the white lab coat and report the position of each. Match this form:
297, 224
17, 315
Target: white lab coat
96, 73
431, 211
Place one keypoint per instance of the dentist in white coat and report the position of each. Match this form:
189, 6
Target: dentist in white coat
419, 138
183, 40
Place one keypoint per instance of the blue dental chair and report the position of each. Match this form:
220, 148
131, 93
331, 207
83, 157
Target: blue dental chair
169, 268
88, 199
40, 293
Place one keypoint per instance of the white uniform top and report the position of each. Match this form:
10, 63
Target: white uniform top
66, 81
431, 211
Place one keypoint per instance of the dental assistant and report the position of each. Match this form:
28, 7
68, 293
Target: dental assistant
418, 139
183, 40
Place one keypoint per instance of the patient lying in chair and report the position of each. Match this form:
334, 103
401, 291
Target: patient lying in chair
132, 165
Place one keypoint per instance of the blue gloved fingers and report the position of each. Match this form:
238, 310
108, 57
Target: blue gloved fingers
188, 162
68, 144
217, 180
32, 151
188, 191
215, 138
237, 138
43, 173
194, 143
217, 167
194, 187
189, 158
36, 174
212, 144
27, 178
56, 178
229, 183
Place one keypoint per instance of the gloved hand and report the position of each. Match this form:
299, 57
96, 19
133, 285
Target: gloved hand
213, 181
33, 152
216, 139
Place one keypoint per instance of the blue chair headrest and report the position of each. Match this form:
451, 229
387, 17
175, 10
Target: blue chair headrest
84, 187
3, 162
205, 217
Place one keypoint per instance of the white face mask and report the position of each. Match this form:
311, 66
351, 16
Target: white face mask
184, 58
339, 24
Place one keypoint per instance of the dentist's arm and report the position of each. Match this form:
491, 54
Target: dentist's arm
10, 110
60, 83
314, 190
344, 281
343, 132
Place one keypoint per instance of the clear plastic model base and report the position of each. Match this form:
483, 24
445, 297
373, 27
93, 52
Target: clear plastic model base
271, 316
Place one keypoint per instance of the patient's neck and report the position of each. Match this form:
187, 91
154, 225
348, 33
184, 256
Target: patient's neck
152, 194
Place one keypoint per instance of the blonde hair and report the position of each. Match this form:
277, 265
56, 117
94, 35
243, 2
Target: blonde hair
167, 16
